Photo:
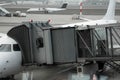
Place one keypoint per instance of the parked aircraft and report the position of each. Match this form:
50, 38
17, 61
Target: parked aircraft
10, 58
107, 19
48, 10
4, 12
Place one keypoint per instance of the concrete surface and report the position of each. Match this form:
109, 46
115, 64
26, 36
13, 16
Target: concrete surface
68, 72
6, 23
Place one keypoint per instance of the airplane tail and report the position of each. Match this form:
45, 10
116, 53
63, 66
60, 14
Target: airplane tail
110, 14
64, 5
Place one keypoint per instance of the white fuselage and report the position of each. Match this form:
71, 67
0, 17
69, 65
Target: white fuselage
10, 57
45, 9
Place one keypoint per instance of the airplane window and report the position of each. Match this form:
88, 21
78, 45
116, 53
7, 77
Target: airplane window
16, 47
5, 48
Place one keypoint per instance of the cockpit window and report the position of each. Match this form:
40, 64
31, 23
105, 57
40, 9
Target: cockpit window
5, 47
16, 47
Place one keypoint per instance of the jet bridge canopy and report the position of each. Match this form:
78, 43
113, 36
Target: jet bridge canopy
26, 35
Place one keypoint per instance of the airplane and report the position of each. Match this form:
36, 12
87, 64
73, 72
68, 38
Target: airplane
48, 10
3, 11
109, 18
11, 56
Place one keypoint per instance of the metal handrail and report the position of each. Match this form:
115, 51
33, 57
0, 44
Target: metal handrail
85, 44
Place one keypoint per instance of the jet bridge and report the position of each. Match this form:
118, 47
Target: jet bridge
99, 42
43, 44
29, 37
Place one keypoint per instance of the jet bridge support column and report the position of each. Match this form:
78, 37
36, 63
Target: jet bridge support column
27, 76
48, 47
111, 41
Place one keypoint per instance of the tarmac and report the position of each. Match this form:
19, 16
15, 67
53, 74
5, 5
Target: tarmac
68, 72
6, 23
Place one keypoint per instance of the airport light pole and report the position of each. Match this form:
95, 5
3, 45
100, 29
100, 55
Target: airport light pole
81, 8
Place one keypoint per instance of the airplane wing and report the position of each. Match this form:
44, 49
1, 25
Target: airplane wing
80, 17
4, 4
86, 19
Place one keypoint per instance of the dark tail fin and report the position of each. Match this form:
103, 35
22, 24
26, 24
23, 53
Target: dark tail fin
64, 5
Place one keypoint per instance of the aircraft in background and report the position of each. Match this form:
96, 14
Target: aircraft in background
109, 18
10, 58
4, 12
48, 10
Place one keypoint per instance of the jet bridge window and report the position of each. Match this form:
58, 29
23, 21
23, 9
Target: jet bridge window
5, 47
16, 47
39, 42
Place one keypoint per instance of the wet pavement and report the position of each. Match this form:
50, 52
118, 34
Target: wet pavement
69, 72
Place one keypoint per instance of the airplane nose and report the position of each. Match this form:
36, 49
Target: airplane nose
3, 66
